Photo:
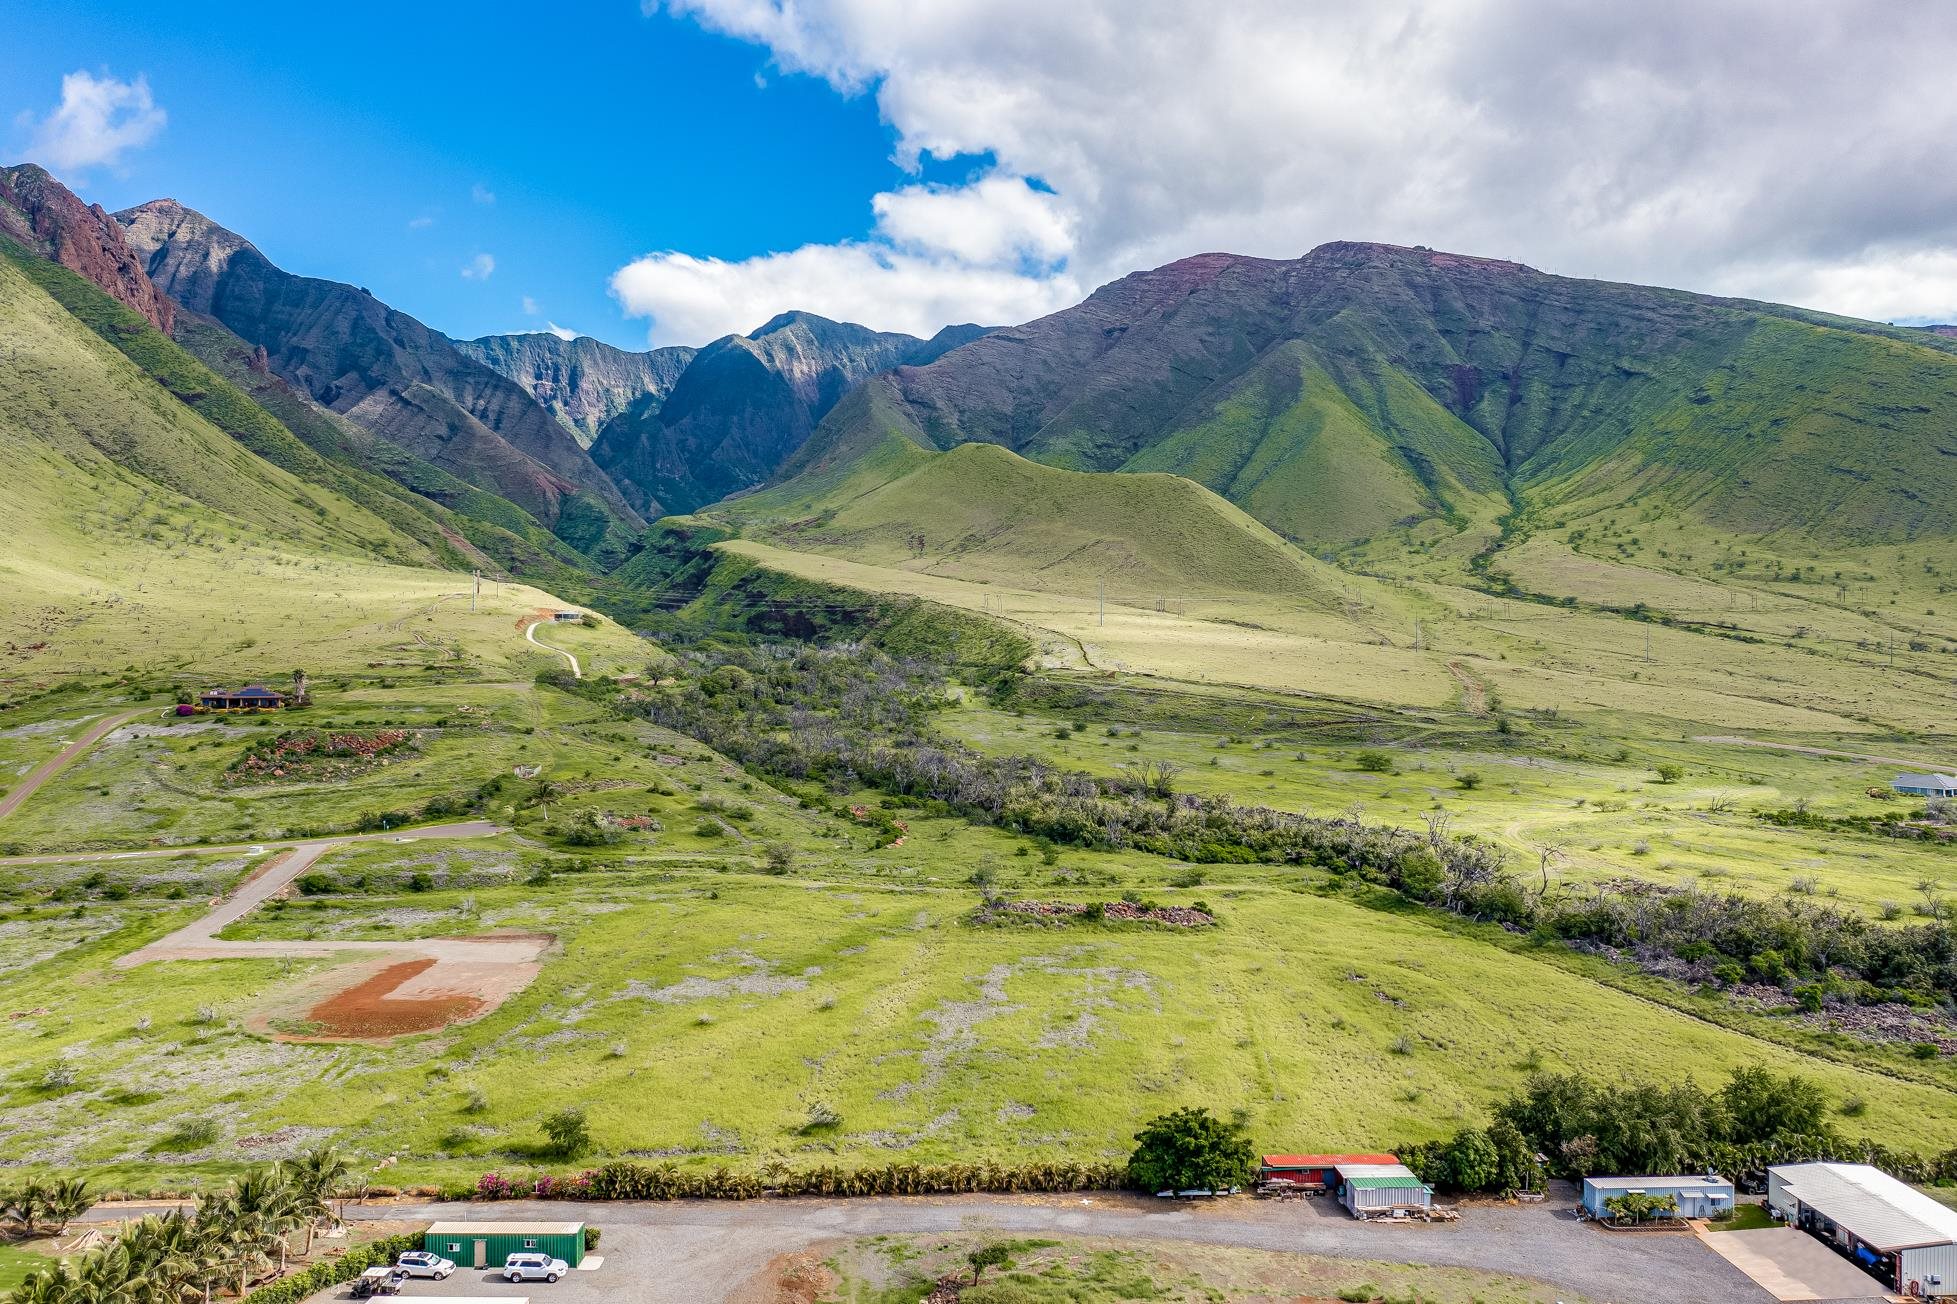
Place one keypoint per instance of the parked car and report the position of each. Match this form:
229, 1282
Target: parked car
420, 1263
529, 1265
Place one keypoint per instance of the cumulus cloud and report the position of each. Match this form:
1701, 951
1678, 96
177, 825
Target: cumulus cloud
479, 267
98, 120
482, 194
561, 332
529, 306
1750, 146
421, 223
693, 300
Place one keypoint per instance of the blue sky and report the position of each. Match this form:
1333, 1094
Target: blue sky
673, 173
331, 136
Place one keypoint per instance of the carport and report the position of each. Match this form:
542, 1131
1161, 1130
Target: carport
1791, 1265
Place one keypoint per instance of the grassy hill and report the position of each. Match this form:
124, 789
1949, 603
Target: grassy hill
143, 537
979, 511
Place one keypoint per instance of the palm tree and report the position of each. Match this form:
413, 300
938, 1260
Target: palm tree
67, 1200
315, 1177
56, 1285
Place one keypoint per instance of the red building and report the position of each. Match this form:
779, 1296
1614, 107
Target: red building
1309, 1171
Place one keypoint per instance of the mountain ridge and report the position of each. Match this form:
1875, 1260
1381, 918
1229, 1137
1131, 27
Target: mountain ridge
388, 372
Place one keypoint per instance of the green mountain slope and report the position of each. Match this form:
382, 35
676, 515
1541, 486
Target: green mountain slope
1366, 390
745, 404
983, 512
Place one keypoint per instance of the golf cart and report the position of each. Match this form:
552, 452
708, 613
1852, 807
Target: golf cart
378, 1281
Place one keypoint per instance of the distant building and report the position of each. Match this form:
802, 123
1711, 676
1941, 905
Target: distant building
1697, 1197
1926, 785
252, 697
1895, 1232
562, 617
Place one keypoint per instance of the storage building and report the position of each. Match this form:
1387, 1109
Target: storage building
487, 1244
1370, 1190
1697, 1197
1312, 1172
1900, 1235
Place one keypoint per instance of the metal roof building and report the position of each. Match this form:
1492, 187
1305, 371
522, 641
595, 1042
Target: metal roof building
1313, 1170
1926, 785
488, 1244
1697, 1197
1892, 1229
1369, 1188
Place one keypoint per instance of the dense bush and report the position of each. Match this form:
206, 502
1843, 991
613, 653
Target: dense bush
1191, 1150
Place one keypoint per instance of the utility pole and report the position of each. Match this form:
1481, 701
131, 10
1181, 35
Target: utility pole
1647, 645
475, 591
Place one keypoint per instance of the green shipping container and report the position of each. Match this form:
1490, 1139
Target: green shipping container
488, 1244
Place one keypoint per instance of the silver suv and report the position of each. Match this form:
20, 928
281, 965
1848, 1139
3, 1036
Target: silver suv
529, 1265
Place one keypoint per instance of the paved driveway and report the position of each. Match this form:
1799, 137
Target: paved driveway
688, 1251
1792, 1265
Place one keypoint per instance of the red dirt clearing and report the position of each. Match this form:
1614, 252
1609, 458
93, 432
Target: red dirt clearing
365, 1010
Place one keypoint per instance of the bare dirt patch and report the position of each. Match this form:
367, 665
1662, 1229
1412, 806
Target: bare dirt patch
374, 1010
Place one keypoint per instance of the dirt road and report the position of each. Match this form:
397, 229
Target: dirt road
706, 1250
1737, 741
54, 764
198, 940
530, 633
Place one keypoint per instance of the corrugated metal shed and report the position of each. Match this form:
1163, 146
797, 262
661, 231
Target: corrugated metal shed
507, 1228
1407, 1183
1659, 1183
1394, 1169
1886, 1214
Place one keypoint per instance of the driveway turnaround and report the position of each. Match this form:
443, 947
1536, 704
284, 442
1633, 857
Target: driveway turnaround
1791, 1265
687, 1251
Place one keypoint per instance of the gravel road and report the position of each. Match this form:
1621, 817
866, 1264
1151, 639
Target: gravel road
665, 1253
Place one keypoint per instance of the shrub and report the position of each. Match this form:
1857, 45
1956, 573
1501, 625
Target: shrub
1668, 772
1374, 762
1469, 780
568, 1134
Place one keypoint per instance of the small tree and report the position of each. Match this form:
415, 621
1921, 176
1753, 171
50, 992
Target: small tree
1374, 762
568, 1133
1472, 1163
779, 856
1669, 772
1190, 1149
995, 1255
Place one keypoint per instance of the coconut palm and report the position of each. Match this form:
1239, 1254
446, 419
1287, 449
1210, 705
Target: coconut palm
66, 1201
315, 1177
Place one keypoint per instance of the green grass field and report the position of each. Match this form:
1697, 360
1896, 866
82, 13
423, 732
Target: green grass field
708, 1011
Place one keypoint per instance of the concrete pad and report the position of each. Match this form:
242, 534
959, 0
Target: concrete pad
591, 1263
1791, 1265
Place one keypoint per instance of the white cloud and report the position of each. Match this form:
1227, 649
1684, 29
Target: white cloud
561, 332
479, 267
482, 194
529, 306
996, 219
98, 120
1749, 146
992, 251
694, 300
421, 223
